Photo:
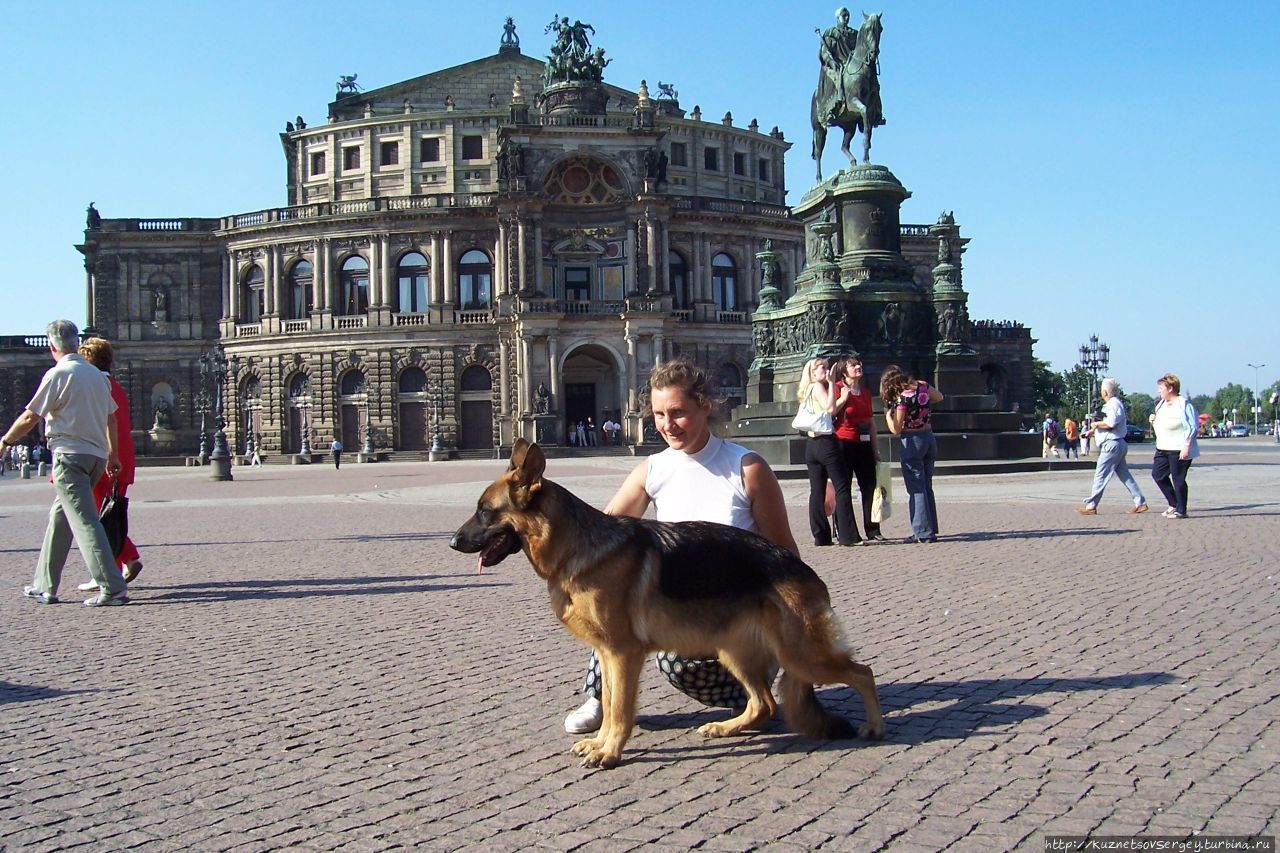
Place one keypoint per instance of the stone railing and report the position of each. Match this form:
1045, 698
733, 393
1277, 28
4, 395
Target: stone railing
745, 208
913, 230
473, 318
293, 327
354, 207
733, 317
987, 330
24, 342
586, 121
409, 319
357, 321
593, 306
248, 330
167, 224
682, 315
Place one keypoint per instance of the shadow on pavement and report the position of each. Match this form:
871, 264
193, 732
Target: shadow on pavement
10, 692
974, 707
299, 588
996, 535
417, 536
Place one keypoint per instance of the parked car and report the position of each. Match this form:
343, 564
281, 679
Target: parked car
1134, 433
1239, 431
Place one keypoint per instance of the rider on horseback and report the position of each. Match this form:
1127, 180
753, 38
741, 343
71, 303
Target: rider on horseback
834, 51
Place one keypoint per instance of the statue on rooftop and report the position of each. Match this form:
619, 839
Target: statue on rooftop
509, 33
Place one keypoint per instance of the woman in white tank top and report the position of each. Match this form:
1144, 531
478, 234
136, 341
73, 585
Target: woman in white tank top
699, 477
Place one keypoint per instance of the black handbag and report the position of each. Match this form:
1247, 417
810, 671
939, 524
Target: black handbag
115, 519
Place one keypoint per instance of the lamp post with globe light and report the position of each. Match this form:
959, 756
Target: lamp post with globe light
1257, 403
1094, 357
213, 371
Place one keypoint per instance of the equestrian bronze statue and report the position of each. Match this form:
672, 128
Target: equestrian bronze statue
848, 93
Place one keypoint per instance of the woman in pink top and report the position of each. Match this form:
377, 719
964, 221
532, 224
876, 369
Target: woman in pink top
907, 411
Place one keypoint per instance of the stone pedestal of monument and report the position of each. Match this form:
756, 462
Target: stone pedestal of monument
859, 294
163, 440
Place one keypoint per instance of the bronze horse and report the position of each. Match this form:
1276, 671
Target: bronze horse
854, 104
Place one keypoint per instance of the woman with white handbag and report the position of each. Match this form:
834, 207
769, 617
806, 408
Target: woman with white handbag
822, 455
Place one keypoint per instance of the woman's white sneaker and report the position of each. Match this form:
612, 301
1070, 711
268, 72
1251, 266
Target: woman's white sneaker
586, 719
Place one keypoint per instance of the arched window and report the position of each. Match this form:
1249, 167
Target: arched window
724, 283
299, 305
476, 378
413, 381
678, 276
253, 295
299, 386
352, 383
414, 273
355, 286
475, 281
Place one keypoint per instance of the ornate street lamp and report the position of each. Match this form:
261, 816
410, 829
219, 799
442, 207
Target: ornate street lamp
305, 449
437, 402
368, 452
202, 406
1094, 357
213, 371
1257, 404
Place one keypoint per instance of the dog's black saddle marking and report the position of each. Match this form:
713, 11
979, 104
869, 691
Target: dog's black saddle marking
703, 560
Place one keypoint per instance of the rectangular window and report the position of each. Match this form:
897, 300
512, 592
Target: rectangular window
711, 159
577, 283
473, 148
351, 158
679, 154
764, 170
317, 163
739, 164
389, 153
429, 150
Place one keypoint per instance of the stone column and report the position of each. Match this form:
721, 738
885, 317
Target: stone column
522, 388
651, 241
447, 292
659, 344
270, 281
384, 251
664, 260
317, 276
375, 271
437, 272
520, 258
537, 256
631, 372
504, 377
502, 280
707, 294
553, 359
631, 285
228, 275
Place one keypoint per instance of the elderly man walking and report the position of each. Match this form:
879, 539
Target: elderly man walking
74, 398
1112, 450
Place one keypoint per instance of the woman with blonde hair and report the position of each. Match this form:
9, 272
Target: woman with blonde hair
908, 406
1175, 425
823, 458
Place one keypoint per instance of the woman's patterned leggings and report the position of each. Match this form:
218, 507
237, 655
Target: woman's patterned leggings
704, 680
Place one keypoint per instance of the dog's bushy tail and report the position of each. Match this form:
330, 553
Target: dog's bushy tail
805, 714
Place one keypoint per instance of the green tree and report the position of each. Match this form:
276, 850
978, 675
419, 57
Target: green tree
1204, 405
1046, 386
1138, 407
1074, 399
1231, 397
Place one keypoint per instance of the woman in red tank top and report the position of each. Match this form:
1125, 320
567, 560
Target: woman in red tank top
856, 432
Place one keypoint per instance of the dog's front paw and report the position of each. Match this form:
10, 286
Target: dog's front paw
711, 730
588, 746
601, 758
867, 731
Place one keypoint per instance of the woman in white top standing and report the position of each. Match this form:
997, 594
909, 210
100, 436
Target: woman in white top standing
699, 477
1175, 426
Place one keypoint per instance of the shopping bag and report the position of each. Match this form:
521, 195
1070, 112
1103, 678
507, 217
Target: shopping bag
882, 498
115, 520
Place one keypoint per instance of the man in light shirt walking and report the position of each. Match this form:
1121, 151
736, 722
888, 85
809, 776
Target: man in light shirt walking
74, 398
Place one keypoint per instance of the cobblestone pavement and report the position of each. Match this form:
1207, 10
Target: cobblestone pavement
306, 665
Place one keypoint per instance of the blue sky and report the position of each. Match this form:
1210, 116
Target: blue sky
1112, 162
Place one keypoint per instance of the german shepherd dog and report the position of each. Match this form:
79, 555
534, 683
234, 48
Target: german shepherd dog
628, 587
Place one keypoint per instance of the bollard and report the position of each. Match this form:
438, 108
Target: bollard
43, 470
25, 471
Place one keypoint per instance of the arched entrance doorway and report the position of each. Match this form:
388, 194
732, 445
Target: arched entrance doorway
592, 390
351, 396
411, 395
297, 404
475, 405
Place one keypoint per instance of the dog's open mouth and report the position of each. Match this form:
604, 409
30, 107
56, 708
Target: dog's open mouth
502, 545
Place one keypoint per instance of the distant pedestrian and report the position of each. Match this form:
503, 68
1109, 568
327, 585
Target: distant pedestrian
1071, 439
255, 459
1175, 425
582, 434
1050, 436
1112, 450
592, 439
74, 398
335, 447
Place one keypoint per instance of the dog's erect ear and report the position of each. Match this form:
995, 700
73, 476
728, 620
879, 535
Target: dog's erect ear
528, 461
